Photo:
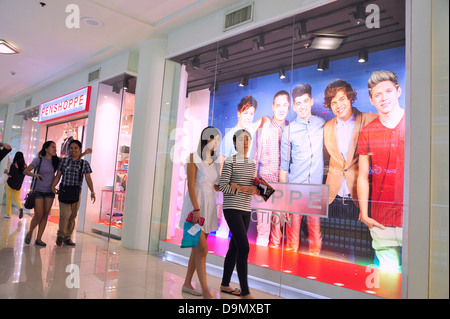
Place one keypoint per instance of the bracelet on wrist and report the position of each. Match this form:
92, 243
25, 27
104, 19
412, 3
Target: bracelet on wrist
196, 210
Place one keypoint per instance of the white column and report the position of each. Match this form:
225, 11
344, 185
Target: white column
137, 216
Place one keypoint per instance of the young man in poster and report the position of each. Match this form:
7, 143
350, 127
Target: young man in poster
246, 112
340, 137
381, 149
302, 162
267, 159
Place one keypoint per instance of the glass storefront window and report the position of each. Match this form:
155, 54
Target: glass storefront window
332, 149
111, 151
3, 114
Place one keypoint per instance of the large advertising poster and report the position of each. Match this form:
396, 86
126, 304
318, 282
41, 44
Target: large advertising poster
341, 130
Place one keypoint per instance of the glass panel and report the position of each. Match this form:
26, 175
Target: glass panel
310, 227
3, 114
111, 150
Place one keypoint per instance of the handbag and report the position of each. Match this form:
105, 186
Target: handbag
29, 198
70, 194
188, 239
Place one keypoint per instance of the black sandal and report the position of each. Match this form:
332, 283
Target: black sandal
235, 292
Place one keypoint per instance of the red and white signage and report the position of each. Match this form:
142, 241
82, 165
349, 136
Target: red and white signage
69, 104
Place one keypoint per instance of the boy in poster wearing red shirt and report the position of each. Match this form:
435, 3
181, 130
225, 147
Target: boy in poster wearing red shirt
381, 149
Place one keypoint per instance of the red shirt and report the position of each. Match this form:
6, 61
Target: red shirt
386, 148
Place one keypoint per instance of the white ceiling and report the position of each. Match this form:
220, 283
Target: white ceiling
49, 51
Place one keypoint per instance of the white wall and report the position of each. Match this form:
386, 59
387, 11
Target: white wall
209, 29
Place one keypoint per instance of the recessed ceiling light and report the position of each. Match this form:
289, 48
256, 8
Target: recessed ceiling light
326, 41
7, 48
92, 22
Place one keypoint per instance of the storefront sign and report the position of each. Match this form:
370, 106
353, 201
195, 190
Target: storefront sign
302, 199
69, 104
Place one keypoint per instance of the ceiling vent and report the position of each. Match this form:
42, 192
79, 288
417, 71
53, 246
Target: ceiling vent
28, 102
238, 17
94, 75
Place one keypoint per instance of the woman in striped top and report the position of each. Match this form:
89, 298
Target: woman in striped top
236, 183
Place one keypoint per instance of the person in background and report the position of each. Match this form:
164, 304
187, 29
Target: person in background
302, 162
340, 138
69, 169
5, 149
236, 183
381, 149
203, 173
14, 184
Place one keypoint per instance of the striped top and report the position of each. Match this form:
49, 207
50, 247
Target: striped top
241, 171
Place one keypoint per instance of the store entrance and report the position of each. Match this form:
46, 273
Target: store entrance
63, 133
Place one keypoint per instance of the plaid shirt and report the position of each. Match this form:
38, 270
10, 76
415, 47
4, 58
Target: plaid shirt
70, 171
267, 150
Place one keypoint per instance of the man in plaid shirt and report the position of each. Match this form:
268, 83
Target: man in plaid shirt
71, 171
267, 159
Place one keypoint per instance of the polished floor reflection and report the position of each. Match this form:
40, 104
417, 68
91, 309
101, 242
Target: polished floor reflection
93, 269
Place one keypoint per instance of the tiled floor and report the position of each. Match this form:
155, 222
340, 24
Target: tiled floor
94, 268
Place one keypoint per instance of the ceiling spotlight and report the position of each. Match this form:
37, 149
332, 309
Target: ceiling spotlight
196, 63
363, 56
300, 31
7, 48
243, 81
281, 73
326, 41
92, 22
358, 17
223, 54
323, 64
259, 43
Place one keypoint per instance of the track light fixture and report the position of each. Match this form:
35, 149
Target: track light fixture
258, 43
358, 17
243, 81
281, 73
323, 64
300, 31
363, 56
223, 54
196, 63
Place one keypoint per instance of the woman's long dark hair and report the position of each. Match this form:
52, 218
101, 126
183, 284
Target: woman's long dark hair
20, 161
43, 152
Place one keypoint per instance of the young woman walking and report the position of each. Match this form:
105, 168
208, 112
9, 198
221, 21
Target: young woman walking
203, 172
236, 183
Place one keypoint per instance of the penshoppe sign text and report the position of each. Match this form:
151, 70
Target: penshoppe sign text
69, 104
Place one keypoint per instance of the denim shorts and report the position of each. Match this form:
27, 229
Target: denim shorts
38, 194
